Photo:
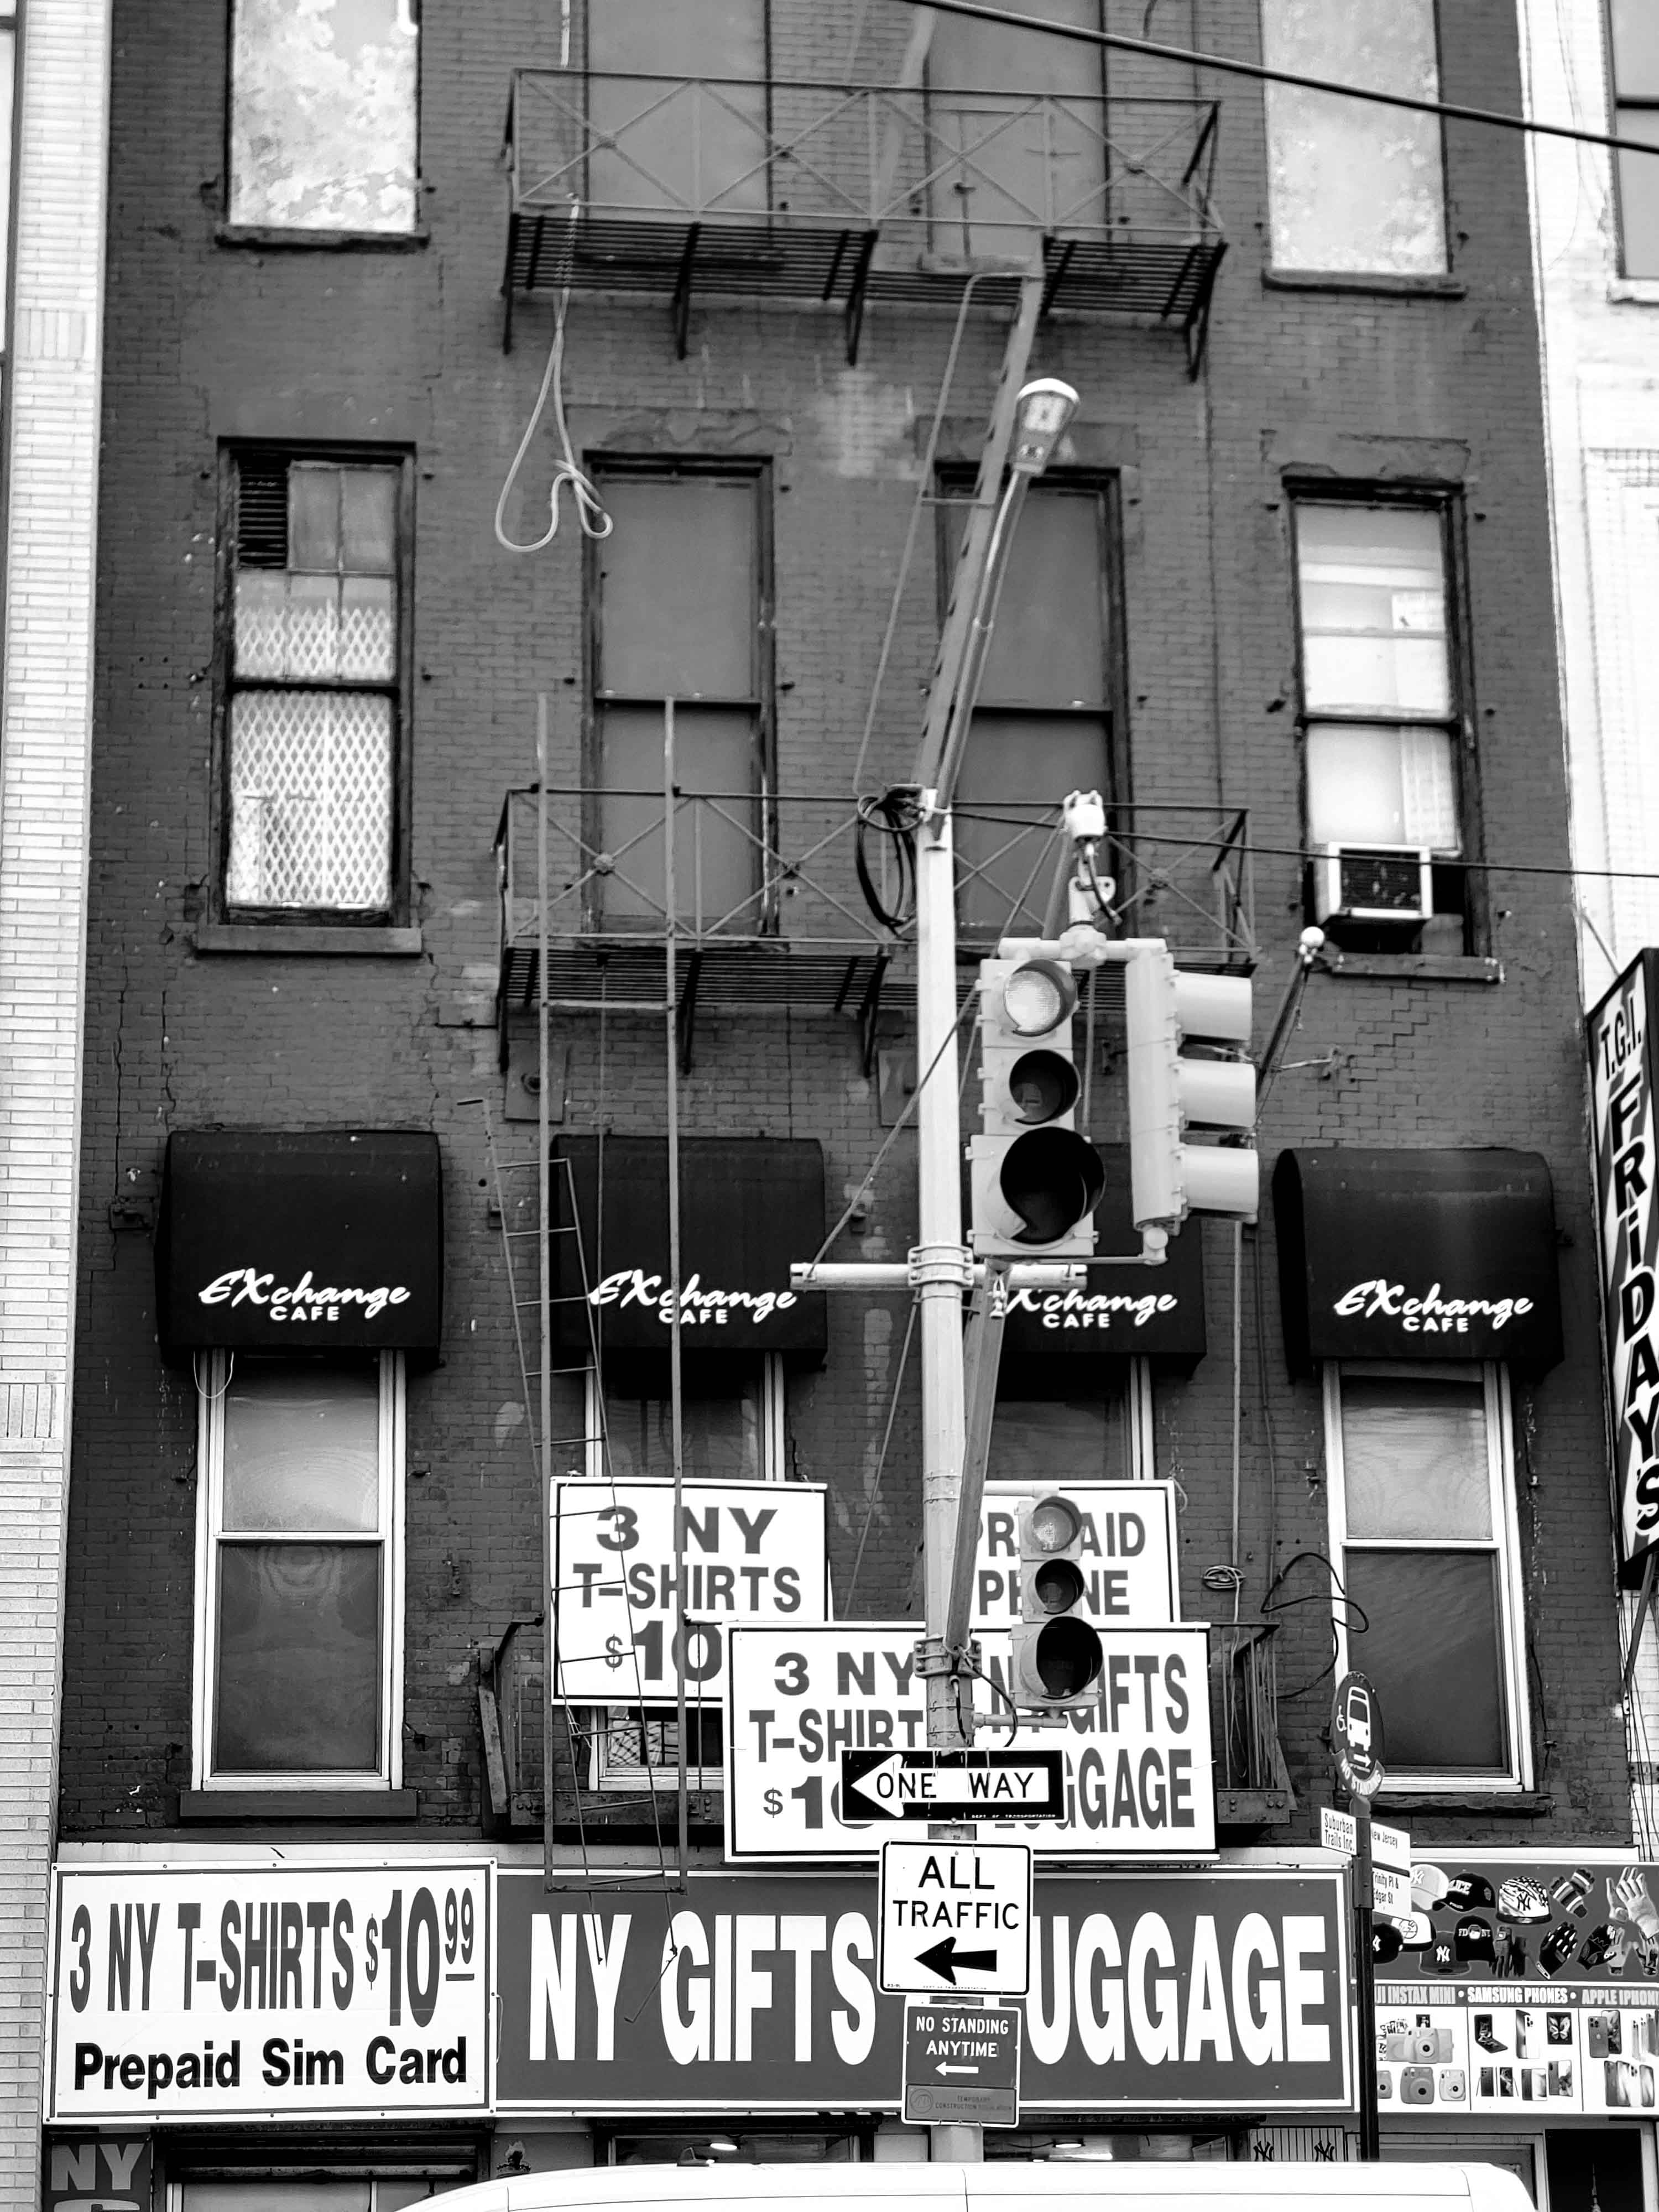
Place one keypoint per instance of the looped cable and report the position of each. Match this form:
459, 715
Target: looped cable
590, 507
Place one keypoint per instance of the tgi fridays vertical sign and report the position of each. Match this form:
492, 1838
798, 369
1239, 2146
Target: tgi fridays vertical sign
1621, 1096
269, 1992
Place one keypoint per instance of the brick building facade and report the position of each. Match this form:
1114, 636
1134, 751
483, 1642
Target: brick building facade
309, 406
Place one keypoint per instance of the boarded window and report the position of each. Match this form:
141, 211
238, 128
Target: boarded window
1353, 185
688, 135
1041, 726
1017, 132
679, 617
324, 115
1635, 38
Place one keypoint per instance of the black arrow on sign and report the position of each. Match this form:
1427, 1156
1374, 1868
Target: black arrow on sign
944, 1958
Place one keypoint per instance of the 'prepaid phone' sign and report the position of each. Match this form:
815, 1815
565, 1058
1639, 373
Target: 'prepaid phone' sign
1126, 1555
269, 1993
745, 1552
1139, 1782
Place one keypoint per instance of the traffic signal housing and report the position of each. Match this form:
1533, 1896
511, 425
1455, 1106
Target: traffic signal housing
1171, 1093
1058, 1656
1033, 1182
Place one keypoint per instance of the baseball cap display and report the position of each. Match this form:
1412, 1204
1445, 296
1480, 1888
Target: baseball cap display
1593, 1920
1467, 1892
1472, 1939
1523, 1901
1429, 1887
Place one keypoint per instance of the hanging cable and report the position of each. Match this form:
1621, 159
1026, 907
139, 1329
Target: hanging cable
590, 507
896, 816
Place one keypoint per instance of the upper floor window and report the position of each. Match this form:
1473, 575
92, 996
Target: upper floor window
1633, 27
1381, 716
683, 592
314, 658
1044, 722
324, 115
1353, 185
1422, 1532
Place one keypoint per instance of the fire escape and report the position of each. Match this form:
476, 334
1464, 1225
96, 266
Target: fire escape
994, 203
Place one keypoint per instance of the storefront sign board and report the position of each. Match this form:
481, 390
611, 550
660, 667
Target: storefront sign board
1140, 1780
98, 2174
1621, 1054
751, 1552
269, 1993
1128, 1552
1213, 1990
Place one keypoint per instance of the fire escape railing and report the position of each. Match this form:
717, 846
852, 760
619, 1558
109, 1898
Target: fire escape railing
849, 192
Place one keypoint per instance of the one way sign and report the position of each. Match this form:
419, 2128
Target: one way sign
955, 1917
974, 1785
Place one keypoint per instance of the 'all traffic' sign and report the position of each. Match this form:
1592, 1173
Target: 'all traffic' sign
955, 1918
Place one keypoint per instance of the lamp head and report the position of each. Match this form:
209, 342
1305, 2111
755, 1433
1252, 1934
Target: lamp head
1042, 410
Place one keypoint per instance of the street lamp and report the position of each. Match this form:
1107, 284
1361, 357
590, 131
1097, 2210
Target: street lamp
1042, 412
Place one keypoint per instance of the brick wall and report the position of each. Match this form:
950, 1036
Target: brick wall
210, 341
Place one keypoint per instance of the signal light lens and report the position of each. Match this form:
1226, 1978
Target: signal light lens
1052, 1524
1068, 1657
1043, 1086
1057, 1585
1038, 996
1052, 1179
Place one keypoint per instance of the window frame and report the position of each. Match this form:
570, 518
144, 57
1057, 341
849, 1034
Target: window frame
230, 233
662, 1776
1424, 279
1139, 1424
757, 471
1642, 104
773, 1424
953, 486
1504, 1545
233, 453
1446, 503
213, 1372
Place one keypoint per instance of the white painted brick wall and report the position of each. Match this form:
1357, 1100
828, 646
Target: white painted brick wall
45, 747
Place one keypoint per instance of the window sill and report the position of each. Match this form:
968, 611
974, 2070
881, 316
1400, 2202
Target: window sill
1411, 967
1360, 280
1634, 291
297, 1805
318, 937
1491, 1804
265, 238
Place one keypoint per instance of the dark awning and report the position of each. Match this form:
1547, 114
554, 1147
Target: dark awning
1053, 1338
275, 1240
1417, 1255
748, 1206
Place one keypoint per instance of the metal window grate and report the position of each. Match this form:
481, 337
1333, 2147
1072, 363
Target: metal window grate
641, 1751
311, 780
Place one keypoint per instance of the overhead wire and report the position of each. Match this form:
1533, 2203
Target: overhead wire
1265, 73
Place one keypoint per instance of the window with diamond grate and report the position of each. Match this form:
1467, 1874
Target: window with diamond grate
315, 667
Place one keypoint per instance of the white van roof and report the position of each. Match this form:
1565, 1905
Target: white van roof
1141, 2186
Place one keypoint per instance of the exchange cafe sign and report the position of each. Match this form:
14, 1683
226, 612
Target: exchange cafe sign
295, 1240
1417, 1255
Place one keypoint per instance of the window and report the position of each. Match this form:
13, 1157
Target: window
309, 2191
1633, 30
324, 115
1381, 711
1352, 186
299, 1553
1043, 723
637, 1748
731, 1427
314, 655
660, 143
1103, 1435
7, 75
1018, 138
1422, 1532
684, 593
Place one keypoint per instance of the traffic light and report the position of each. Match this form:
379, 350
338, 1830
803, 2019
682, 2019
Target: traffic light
1033, 1182
1168, 1093
1058, 1655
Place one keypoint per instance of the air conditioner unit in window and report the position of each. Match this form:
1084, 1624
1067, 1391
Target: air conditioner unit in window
1373, 883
